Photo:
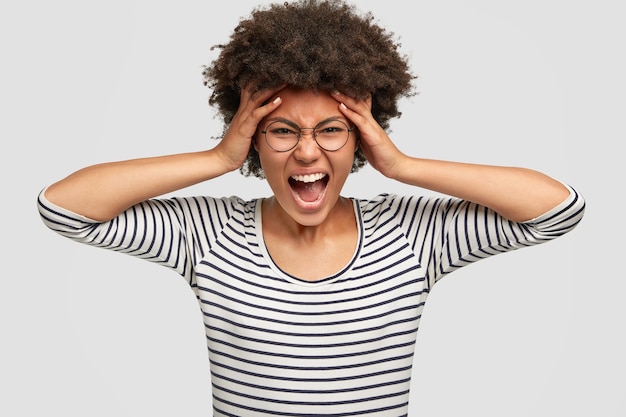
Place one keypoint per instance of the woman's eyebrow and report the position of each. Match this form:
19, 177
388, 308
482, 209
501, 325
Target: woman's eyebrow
294, 124
283, 120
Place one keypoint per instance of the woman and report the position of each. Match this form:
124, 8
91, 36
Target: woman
311, 300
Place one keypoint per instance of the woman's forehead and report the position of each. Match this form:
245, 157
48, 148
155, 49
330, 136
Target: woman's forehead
305, 107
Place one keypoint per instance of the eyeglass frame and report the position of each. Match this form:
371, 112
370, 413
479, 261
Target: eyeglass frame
313, 133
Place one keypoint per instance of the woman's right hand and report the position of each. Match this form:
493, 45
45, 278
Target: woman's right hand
253, 107
102, 191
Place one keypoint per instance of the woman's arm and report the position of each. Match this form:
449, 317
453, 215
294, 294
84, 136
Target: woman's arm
101, 192
518, 194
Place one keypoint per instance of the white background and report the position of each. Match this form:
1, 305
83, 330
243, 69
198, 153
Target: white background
538, 83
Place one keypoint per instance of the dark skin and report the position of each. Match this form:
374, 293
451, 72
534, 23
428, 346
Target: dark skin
323, 231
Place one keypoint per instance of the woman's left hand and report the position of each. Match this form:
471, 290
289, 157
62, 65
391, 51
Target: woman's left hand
519, 194
378, 148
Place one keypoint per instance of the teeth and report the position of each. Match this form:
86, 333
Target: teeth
308, 178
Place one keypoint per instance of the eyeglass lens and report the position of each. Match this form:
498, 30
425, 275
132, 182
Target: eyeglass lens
331, 135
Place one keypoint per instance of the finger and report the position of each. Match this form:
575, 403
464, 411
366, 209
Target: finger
265, 95
259, 104
254, 105
266, 106
357, 113
355, 104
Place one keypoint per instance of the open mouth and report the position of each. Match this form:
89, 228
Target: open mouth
309, 188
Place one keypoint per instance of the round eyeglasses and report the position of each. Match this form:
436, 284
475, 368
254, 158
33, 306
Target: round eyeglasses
330, 135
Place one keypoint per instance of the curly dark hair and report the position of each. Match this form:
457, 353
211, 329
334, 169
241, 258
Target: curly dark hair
312, 44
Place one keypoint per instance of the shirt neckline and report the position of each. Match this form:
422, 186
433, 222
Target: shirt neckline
294, 279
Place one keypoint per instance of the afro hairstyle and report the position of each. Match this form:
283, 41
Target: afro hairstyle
310, 44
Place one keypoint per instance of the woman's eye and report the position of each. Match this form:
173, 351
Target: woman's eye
331, 130
283, 131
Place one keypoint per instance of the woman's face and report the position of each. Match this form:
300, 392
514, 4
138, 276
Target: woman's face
306, 180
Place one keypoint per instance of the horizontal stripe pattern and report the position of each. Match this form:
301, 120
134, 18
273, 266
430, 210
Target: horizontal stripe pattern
340, 346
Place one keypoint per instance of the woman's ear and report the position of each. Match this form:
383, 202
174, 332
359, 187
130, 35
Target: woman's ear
357, 142
254, 144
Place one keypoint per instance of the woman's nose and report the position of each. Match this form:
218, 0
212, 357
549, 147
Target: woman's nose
307, 150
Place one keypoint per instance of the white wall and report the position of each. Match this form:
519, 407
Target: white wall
534, 83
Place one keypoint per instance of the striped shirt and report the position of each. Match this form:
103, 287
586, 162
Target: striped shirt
340, 346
